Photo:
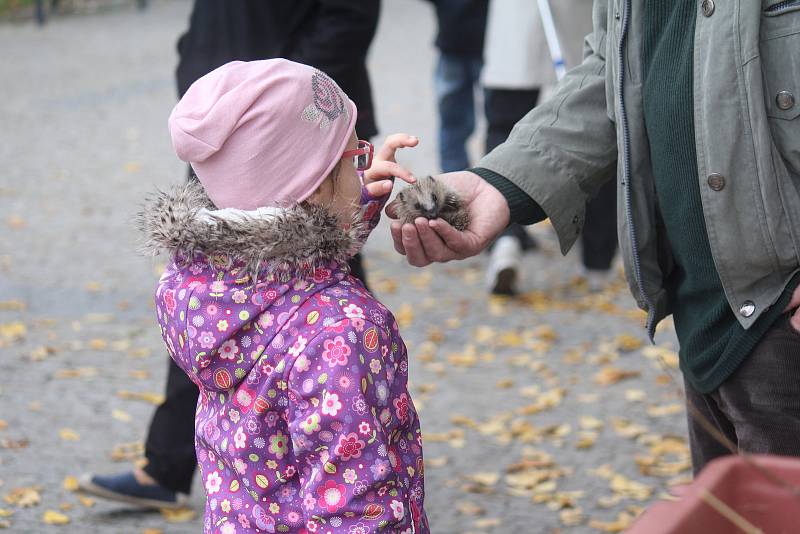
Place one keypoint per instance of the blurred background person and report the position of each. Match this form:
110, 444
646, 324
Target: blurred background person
518, 69
461, 29
221, 31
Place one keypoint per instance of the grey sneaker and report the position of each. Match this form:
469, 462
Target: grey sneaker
126, 489
504, 263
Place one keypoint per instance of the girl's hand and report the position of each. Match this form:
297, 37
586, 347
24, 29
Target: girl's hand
379, 178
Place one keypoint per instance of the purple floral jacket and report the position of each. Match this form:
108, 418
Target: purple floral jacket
304, 421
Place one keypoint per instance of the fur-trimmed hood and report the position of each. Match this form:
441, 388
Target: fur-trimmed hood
184, 223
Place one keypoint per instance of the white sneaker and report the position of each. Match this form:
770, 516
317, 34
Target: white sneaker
504, 262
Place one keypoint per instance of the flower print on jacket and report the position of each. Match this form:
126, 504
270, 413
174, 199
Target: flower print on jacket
304, 420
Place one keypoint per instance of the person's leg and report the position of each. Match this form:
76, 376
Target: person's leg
454, 86
503, 109
762, 398
704, 445
167, 478
169, 447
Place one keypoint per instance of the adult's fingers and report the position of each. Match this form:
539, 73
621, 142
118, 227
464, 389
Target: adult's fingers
452, 238
434, 247
391, 209
397, 237
414, 250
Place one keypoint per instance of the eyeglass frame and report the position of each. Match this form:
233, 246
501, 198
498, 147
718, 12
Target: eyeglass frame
365, 148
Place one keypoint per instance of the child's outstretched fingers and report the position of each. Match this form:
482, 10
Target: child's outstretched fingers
393, 143
383, 170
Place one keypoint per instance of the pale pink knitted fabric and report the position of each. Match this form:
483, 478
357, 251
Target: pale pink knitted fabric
262, 133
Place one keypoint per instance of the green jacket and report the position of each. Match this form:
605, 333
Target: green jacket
747, 129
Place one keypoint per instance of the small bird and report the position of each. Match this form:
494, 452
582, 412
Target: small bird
432, 199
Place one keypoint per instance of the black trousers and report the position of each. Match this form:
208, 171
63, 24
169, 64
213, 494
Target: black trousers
503, 109
169, 447
758, 407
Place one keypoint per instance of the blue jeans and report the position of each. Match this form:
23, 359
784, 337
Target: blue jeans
455, 79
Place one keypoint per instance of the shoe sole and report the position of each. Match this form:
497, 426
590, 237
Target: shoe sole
504, 283
87, 486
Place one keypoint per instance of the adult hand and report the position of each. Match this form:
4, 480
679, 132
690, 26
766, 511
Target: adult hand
794, 304
427, 241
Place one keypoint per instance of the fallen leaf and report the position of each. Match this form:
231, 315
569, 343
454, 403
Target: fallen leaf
404, 315
635, 395
488, 522
15, 222
127, 451
505, 383
627, 343
12, 305
623, 521
40, 353
665, 409
611, 375
469, 508
67, 434
152, 531
13, 331
7, 443
77, 372
51, 517
571, 517
88, 502
70, 483
146, 396
181, 515
6, 513
98, 344
141, 374
120, 415
24, 497
439, 461
590, 423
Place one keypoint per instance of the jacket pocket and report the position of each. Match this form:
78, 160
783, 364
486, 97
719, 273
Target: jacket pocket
780, 60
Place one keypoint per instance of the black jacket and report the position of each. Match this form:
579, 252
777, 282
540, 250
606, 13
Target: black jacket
462, 25
331, 35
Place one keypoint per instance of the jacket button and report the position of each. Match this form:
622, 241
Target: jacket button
716, 181
708, 7
785, 100
747, 309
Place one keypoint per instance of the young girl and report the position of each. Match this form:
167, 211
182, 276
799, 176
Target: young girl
304, 421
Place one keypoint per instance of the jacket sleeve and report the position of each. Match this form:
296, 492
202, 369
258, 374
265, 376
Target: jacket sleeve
563, 150
341, 427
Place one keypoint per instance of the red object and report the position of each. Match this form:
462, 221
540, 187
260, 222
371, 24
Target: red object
734, 486
362, 156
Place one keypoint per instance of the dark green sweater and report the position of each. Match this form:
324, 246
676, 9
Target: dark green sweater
712, 342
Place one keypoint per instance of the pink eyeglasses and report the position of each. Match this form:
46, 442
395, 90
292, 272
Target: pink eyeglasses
362, 156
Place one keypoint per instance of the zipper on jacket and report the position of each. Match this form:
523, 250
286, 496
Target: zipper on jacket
626, 171
780, 6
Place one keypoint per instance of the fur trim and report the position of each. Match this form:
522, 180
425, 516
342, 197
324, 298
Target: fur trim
184, 223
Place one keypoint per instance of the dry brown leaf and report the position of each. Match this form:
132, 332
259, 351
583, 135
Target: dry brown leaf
611, 375
180, 515
15, 222
98, 344
40, 353
571, 517
24, 497
627, 343
127, 451
505, 383
152, 531
51, 517
586, 439
7, 443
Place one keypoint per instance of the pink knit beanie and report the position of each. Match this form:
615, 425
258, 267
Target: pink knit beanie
262, 133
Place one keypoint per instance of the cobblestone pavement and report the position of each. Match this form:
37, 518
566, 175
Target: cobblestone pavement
544, 414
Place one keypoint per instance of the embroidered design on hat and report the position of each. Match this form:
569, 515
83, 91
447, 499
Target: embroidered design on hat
329, 103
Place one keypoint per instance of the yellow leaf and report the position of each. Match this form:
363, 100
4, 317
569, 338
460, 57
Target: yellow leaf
571, 517
405, 316
152, 398
70, 483
98, 344
88, 502
635, 395
141, 352
93, 287
505, 383
488, 522
152, 531
590, 423
24, 497
627, 342
67, 434
6, 513
439, 461
624, 520
141, 374
127, 451
666, 409
181, 515
51, 517
12, 331
12, 305
78, 372
469, 508
489, 478
15, 222
611, 375
120, 415
132, 166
